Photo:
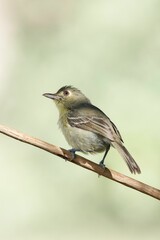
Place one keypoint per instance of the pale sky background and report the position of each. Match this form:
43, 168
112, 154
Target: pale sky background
111, 51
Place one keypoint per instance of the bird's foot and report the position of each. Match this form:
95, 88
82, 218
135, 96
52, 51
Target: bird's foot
73, 152
101, 163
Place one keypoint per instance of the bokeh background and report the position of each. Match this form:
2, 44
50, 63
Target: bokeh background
111, 51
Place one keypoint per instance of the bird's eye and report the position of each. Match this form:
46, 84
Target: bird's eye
66, 93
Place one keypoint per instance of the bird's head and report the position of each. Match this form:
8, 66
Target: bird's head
67, 97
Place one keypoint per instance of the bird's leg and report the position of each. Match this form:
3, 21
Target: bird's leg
102, 161
73, 152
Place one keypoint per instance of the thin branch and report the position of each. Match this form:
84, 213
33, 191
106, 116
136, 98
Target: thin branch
83, 162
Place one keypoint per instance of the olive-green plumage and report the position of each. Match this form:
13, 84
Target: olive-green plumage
86, 128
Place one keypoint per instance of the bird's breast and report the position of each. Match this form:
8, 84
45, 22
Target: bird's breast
81, 139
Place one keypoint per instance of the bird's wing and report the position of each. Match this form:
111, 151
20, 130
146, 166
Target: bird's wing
97, 122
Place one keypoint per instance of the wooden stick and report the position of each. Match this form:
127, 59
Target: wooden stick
83, 162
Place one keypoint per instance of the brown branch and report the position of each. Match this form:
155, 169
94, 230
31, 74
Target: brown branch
83, 162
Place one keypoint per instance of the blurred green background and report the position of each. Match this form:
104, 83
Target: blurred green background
111, 51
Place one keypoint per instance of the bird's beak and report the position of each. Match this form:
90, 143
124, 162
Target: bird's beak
53, 96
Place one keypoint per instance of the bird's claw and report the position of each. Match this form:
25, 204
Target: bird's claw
73, 153
101, 163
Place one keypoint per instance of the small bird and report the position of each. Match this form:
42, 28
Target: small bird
86, 128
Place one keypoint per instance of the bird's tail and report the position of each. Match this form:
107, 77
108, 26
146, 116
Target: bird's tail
132, 165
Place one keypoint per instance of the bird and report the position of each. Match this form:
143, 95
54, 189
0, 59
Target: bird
86, 128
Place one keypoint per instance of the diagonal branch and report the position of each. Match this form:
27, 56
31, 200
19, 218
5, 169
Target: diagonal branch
82, 162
